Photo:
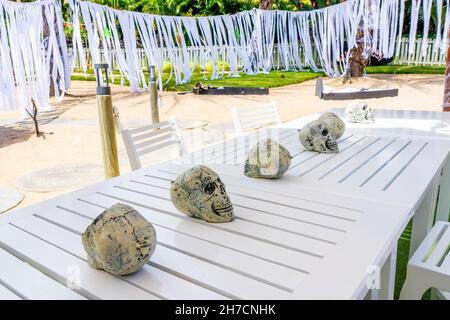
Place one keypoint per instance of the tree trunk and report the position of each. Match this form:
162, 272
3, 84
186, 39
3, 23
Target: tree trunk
266, 4
357, 62
446, 102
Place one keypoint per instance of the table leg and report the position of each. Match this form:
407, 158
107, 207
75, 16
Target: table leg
443, 205
424, 216
387, 277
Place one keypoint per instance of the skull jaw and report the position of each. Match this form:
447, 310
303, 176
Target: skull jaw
331, 146
218, 215
270, 172
363, 118
325, 146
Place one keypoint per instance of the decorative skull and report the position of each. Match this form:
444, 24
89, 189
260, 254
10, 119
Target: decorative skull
268, 159
334, 123
199, 193
359, 112
119, 241
317, 136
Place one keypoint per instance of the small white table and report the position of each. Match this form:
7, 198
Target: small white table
288, 243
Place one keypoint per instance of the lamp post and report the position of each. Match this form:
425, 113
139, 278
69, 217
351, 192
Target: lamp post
153, 94
106, 121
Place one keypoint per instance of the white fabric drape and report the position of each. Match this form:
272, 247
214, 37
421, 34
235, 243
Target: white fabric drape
33, 52
318, 39
441, 27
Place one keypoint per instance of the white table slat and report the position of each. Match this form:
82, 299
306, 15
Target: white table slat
269, 199
56, 263
238, 262
29, 282
151, 278
315, 161
6, 294
246, 228
256, 211
187, 267
296, 260
341, 170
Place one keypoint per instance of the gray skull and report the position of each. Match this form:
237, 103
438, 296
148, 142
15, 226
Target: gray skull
334, 123
119, 241
317, 136
268, 159
359, 112
199, 193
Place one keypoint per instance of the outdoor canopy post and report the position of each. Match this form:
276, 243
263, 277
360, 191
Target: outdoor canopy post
106, 121
153, 94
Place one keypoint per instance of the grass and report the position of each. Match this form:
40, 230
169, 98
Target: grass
401, 69
270, 80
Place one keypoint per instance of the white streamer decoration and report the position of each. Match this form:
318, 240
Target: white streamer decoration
33, 52
441, 26
254, 41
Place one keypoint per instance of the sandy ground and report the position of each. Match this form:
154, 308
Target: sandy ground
71, 136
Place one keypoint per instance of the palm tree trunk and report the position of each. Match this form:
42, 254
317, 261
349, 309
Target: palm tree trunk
266, 4
446, 102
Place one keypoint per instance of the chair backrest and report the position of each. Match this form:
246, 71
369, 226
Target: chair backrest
246, 119
149, 138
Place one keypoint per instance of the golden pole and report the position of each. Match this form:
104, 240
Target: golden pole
106, 122
153, 94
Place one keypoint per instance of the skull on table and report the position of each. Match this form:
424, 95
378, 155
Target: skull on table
199, 193
334, 123
268, 159
359, 112
317, 136
119, 241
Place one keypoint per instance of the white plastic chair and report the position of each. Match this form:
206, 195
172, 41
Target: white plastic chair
149, 138
429, 267
246, 119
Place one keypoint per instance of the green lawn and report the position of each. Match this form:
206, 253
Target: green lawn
272, 79
398, 69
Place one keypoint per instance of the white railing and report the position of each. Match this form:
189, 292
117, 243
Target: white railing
433, 56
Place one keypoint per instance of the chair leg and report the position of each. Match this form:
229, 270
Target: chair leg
443, 205
387, 275
413, 289
423, 217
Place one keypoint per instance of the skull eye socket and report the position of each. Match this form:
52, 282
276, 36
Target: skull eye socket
364, 108
209, 188
325, 132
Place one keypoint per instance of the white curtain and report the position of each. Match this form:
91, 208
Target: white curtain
252, 41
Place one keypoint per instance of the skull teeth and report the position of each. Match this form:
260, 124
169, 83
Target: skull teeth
224, 209
331, 145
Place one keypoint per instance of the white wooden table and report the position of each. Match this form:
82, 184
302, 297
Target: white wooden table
407, 170
290, 244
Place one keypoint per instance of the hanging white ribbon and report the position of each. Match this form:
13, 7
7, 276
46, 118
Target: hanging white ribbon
33, 54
